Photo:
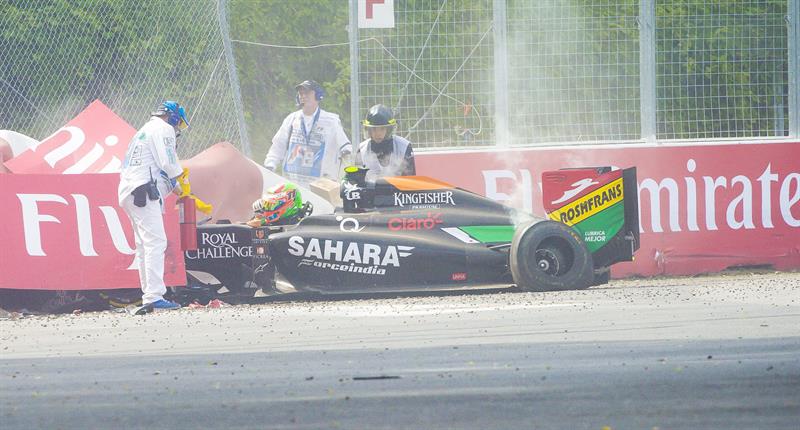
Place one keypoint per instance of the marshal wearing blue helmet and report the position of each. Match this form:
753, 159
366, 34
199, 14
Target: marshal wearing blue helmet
148, 175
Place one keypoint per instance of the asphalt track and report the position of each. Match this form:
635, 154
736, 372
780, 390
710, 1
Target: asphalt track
680, 353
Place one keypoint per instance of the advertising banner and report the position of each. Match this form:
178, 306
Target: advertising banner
93, 142
67, 232
702, 208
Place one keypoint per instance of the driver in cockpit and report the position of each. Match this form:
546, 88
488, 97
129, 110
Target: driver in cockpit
280, 205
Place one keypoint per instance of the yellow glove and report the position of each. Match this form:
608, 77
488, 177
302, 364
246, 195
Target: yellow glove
186, 191
202, 206
183, 180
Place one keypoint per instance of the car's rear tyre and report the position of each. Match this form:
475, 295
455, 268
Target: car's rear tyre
550, 256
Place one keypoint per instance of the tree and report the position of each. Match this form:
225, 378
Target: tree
268, 74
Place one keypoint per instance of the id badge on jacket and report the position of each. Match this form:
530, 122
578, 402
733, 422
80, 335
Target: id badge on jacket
305, 158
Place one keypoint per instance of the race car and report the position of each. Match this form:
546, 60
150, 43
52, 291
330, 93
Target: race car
421, 234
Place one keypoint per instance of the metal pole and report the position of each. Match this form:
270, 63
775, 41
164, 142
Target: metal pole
355, 109
647, 69
234, 78
793, 33
502, 137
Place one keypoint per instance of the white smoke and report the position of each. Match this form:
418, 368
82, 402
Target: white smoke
562, 89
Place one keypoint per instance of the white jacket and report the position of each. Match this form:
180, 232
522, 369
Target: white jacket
151, 151
305, 158
396, 161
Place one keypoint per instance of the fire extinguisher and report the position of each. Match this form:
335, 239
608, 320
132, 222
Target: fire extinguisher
188, 220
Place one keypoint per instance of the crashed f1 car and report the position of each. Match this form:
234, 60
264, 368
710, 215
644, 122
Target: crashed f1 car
417, 233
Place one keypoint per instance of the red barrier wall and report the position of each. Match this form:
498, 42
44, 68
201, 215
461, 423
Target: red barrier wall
703, 208
67, 232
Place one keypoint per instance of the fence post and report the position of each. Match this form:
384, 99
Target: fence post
793, 33
647, 69
234, 78
502, 137
355, 109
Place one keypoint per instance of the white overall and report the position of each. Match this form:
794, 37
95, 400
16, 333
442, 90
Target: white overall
150, 152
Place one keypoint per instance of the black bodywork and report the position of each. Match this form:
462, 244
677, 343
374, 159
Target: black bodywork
400, 234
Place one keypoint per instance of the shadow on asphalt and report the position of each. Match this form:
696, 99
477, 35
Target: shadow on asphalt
320, 297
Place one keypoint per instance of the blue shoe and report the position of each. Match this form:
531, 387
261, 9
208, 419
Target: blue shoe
165, 305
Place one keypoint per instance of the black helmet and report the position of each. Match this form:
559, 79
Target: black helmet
379, 116
319, 92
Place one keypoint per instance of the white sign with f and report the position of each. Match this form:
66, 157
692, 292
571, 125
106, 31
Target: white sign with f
375, 13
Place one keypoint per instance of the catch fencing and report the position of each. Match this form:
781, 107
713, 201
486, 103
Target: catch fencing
466, 73
55, 59
459, 73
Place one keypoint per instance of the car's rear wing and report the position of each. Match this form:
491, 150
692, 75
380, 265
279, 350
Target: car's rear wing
601, 204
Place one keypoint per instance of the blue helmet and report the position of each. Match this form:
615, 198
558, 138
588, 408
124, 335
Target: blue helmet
177, 115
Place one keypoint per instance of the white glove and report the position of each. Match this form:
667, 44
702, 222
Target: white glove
345, 158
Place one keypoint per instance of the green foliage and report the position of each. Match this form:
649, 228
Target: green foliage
268, 74
448, 46
58, 56
722, 69
721, 65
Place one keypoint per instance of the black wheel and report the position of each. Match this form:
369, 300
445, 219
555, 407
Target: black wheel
551, 259
550, 256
